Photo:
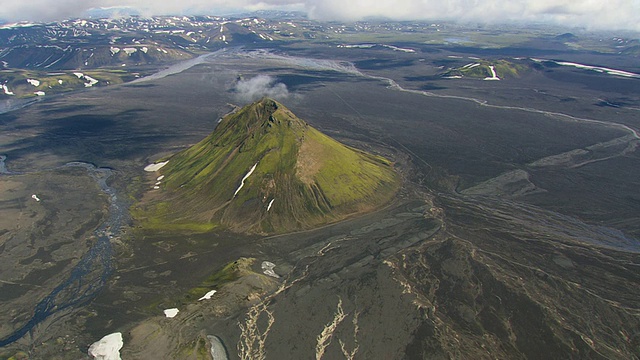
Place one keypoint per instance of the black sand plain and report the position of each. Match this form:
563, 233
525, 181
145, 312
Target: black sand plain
514, 235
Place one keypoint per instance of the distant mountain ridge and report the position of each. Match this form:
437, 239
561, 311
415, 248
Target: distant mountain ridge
263, 170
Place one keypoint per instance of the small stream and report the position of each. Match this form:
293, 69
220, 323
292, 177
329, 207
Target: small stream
91, 273
15, 104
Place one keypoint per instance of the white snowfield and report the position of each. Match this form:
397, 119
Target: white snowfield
599, 69
91, 81
357, 46
493, 74
245, 178
267, 269
395, 48
369, 46
21, 24
171, 312
471, 65
107, 348
156, 166
208, 295
6, 90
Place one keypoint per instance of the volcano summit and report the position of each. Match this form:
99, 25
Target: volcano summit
263, 170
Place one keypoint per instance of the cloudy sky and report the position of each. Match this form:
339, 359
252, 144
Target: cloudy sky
590, 14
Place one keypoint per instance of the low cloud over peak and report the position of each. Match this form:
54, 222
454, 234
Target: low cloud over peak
258, 87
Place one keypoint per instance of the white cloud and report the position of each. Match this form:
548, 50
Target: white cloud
592, 14
259, 87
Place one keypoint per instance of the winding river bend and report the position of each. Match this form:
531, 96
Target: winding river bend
91, 273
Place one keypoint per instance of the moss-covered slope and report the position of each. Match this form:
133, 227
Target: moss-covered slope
481, 69
264, 170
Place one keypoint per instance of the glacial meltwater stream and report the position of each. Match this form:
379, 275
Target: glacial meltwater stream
92, 271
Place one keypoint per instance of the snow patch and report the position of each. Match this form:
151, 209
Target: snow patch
91, 81
270, 204
369, 46
357, 46
144, 49
170, 313
35, 197
208, 295
245, 178
17, 25
6, 90
160, 178
39, 93
600, 69
107, 348
395, 48
60, 81
34, 82
114, 50
155, 167
130, 50
267, 269
493, 74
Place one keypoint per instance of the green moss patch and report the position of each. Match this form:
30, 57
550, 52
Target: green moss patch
301, 178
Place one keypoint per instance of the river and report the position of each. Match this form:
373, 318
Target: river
15, 104
91, 273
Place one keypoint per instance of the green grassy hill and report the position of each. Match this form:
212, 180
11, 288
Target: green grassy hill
480, 69
295, 177
47, 83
